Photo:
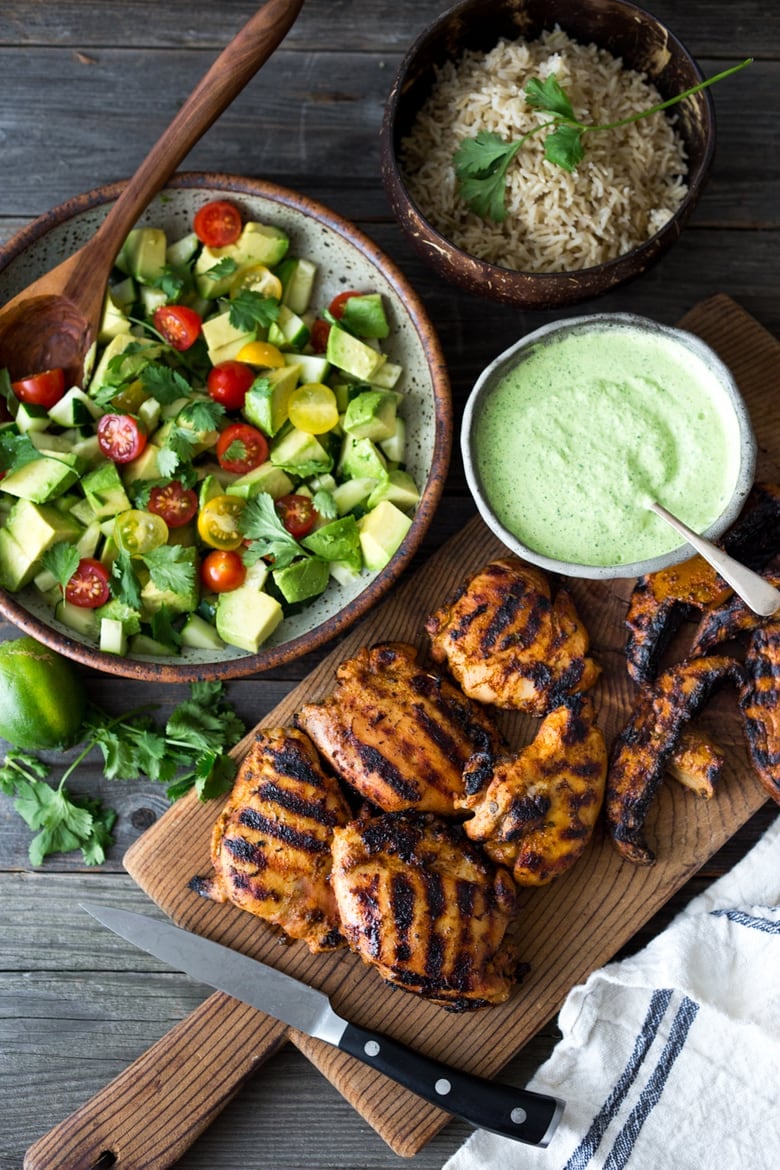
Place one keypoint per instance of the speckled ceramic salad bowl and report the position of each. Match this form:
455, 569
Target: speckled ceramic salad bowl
346, 259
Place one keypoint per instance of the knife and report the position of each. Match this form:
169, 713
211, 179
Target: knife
515, 1113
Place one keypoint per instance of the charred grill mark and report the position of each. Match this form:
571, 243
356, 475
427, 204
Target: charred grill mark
478, 773
292, 802
434, 893
394, 833
758, 702
755, 537
252, 819
506, 613
434, 958
243, 850
402, 902
465, 623
373, 761
293, 762
437, 733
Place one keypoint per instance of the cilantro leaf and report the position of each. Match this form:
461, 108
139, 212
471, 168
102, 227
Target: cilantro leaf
61, 560
214, 774
261, 524
126, 586
205, 415
250, 310
170, 282
170, 568
325, 504
163, 383
481, 164
226, 266
549, 96
16, 451
163, 629
6, 393
564, 147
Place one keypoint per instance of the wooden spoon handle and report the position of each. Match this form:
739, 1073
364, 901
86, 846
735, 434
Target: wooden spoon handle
153, 1111
228, 75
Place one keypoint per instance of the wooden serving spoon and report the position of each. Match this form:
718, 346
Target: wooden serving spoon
54, 321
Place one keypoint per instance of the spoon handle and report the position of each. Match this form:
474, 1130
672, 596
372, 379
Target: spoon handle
756, 593
233, 68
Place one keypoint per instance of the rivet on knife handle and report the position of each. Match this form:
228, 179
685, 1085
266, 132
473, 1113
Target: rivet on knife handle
515, 1113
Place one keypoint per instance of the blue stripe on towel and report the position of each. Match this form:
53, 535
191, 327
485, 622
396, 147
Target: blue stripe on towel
649, 1097
659, 1002
750, 920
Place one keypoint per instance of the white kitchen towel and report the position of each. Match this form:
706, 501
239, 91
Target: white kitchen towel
670, 1059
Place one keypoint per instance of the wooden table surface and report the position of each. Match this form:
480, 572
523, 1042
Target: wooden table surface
85, 89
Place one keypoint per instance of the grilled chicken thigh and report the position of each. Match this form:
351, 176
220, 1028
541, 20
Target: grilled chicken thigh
507, 642
538, 809
424, 906
398, 733
760, 704
271, 845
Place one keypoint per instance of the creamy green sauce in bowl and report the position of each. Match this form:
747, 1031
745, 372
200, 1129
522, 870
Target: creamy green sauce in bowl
569, 435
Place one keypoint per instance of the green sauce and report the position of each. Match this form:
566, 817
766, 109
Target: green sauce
576, 439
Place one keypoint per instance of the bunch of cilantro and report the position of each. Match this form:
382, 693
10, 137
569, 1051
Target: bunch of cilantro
189, 751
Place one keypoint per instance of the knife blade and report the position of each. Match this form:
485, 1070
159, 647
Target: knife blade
516, 1113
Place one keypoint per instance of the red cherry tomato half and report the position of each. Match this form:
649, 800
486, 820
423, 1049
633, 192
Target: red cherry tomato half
44, 389
217, 224
120, 437
228, 383
336, 306
297, 514
319, 335
179, 325
240, 448
222, 570
175, 503
88, 587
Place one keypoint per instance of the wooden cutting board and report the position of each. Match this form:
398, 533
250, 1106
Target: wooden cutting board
565, 930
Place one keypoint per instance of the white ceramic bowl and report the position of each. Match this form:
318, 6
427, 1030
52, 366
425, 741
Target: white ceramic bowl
723, 386
346, 259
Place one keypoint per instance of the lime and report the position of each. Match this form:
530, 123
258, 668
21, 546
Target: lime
42, 699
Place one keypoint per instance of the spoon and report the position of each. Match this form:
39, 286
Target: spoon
756, 593
54, 322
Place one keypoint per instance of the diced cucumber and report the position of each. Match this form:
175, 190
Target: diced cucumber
30, 417
351, 493
77, 618
313, 368
180, 252
144, 646
289, 331
297, 275
74, 409
394, 447
199, 634
113, 637
387, 376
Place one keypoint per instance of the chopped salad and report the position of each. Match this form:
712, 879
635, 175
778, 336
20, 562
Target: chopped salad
235, 447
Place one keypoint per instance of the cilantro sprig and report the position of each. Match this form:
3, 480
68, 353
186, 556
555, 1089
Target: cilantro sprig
261, 524
191, 750
251, 310
481, 163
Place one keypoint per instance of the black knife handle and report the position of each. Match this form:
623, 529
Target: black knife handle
515, 1113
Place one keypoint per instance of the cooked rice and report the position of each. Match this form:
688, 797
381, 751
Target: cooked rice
629, 184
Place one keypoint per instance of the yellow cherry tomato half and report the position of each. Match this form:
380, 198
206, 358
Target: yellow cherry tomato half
258, 279
313, 408
218, 522
138, 532
261, 353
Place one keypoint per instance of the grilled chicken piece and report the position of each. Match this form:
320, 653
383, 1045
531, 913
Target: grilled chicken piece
422, 904
760, 704
697, 763
508, 643
661, 601
271, 845
642, 750
728, 621
398, 733
537, 813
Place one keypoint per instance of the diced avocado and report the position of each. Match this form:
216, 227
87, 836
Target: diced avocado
399, 488
289, 331
223, 339
199, 634
247, 617
142, 351
361, 458
387, 376
352, 355
154, 598
104, 490
300, 453
143, 254
145, 466
258, 244
112, 321
365, 316
46, 583
352, 492
382, 531
302, 579
297, 276
394, 448
117, 610
17, 567
149, 414
77, 618
210, 487
29, 531
336, 541
113, 636
88, 451
371, 415
265, 478
152, 299
143, 645
124, 294
41, 479
30, 418
88, 541
266, 403
48, 443
313, 367
74, 409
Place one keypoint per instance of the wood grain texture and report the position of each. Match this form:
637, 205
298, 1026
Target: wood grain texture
566, 929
